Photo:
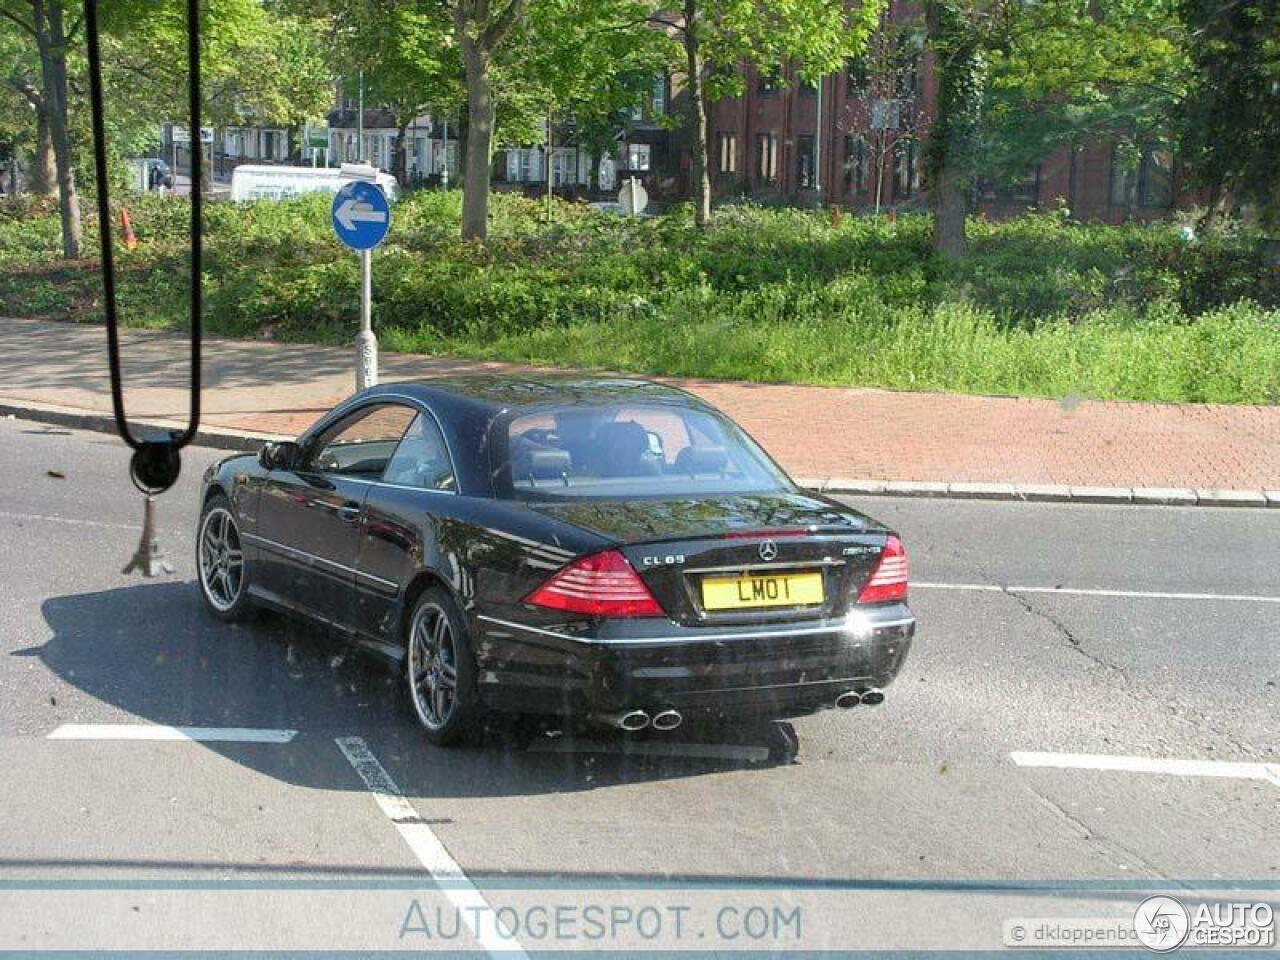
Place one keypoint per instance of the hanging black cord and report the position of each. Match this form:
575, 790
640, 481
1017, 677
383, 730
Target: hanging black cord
155, 462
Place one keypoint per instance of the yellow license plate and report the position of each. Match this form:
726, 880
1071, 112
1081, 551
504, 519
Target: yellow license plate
762, 590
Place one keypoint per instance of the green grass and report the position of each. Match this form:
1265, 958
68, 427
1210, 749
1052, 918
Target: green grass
1039, 307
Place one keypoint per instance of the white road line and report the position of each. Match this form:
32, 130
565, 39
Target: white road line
709, 751
146, 731
75, 521
1178, 768
1085, 592
426, 846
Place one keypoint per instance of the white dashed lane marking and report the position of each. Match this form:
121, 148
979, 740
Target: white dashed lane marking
1158, 765
1089, 592
426, 846
147, 731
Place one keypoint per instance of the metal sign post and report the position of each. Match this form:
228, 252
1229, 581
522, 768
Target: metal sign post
366, 342
361, 219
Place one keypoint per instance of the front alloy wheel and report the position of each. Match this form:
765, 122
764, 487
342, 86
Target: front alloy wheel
438, 670
220, 561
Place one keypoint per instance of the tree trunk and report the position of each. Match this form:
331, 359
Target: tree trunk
593, 174
52, 43
44, 169
475, 169
953, 137
698, 106
1209, 222
948, 200
400, 163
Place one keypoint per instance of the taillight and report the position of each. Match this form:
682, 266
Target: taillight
889, 580
599, 585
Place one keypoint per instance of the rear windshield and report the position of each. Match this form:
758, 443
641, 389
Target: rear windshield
630, 450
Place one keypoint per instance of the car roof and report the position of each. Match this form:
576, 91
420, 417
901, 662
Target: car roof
512, 391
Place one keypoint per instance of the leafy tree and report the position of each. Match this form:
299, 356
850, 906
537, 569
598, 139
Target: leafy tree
716, 37
1232, 113
1117, 70
260, 62
951, 160
480, 27
405, 53
1017, 79
888, 115
46, 30
594, 65
600, 119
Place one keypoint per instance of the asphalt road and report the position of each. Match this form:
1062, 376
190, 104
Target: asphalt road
1044, 629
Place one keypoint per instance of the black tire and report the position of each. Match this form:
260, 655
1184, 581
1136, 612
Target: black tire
221, 571
442, 694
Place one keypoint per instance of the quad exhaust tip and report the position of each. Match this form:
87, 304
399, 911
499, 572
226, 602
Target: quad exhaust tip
633, 720
667, 720
870, 697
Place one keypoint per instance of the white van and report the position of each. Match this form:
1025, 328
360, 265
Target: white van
261, 182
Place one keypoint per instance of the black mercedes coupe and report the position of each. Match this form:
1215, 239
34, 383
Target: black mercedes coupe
606, 548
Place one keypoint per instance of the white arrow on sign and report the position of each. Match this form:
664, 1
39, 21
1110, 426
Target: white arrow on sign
352, 211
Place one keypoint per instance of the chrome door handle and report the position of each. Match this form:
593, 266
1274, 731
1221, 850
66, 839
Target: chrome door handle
349, 514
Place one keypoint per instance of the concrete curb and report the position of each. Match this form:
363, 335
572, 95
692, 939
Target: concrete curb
1046, 493
219, 438
227, 438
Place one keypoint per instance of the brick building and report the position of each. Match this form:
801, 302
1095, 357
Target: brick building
858, 142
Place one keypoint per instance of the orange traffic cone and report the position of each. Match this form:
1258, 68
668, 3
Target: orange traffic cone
130, 241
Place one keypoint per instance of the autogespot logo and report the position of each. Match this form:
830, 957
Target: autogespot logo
1161, 923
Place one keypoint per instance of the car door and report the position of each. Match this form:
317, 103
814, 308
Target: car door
310, 517
402, 517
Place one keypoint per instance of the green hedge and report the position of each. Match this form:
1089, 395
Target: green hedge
1040, 306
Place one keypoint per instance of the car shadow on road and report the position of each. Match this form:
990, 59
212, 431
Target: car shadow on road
154, 652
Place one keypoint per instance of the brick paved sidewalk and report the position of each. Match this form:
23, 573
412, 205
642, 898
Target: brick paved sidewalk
817, 433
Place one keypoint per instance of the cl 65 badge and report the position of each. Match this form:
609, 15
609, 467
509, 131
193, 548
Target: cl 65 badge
668, 560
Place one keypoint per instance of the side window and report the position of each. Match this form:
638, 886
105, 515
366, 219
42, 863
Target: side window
421, 459
360, 444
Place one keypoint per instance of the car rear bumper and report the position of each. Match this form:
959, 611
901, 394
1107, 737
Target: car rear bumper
780, 669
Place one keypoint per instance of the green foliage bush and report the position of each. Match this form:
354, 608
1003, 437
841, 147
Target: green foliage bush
1040, 306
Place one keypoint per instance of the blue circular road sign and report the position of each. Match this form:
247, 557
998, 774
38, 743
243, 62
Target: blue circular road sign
361, 216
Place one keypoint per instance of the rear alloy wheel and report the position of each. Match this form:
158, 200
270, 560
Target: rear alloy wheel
220, 561
439, 670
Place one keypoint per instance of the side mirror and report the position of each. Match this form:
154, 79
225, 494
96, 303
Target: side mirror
281, 455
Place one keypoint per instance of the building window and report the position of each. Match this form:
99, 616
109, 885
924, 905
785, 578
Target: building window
638, 156
1025, 189
769, 79
806, 172
855, 164
856, 76
727, 151
808, 87
658, 102
1155, 178
885, 114
1149, 183
767, 157
1124, 179
523, 165
907, 65
906, 173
